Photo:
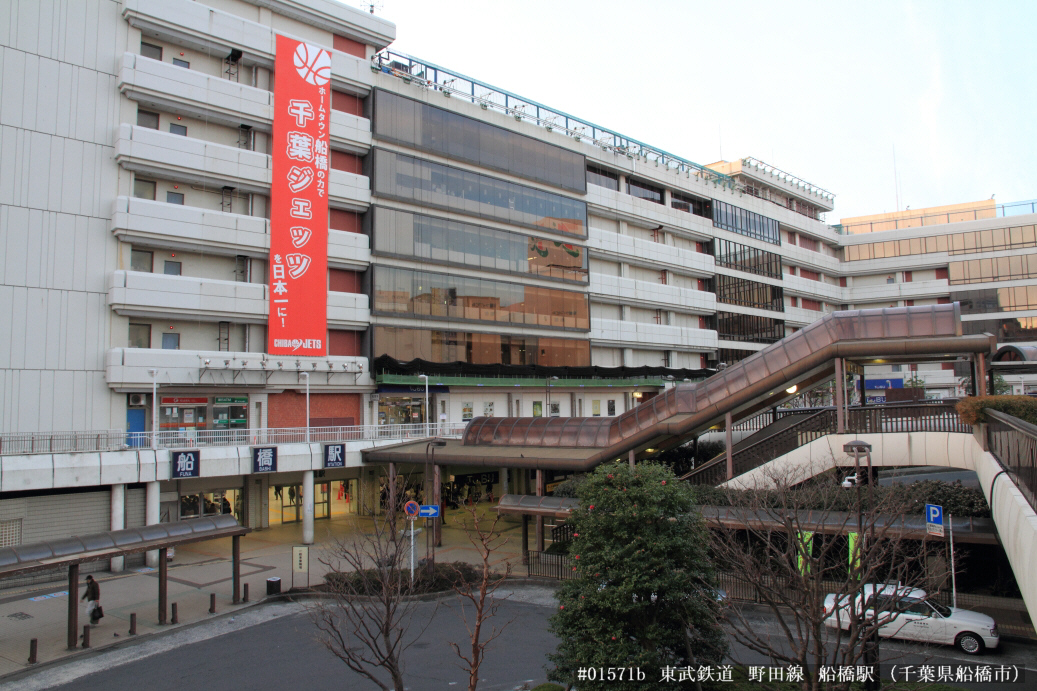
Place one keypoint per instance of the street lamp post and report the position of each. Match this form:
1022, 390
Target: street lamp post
307, 375
871, 643
153, 373
428, 432
430, 466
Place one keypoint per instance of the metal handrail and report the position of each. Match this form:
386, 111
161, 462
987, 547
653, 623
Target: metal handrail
999, 211
1013, 442
119, 440
429, 75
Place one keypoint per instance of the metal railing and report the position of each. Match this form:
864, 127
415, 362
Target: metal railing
118, 440
558, 566
1013, 443
450, 83
920, 417
980, 212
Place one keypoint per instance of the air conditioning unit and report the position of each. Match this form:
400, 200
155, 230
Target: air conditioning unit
138, 399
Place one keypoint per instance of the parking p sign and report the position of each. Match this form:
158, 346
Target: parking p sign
934, 519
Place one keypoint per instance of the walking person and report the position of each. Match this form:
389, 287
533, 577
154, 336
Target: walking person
93, 600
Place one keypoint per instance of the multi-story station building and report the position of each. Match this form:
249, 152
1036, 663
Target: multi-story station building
478, 232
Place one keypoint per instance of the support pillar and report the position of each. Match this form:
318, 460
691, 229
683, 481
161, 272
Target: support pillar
235, 556
307, 507
390, 493
437, 494
118, 506
163, 581
981, 375
864, 389
540, 519
73, 606
840, 409
503, 481
525, 539
631, 457
973, 388
729, 437
151, 517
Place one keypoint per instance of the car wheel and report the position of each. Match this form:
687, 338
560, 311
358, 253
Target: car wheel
969, 643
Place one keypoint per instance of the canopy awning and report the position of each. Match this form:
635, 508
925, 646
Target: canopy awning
531, 505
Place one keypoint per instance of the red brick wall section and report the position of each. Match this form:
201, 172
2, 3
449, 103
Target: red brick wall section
347, 103
343, 281
348, 221
350, 163
348, 45
344, 343
288, 409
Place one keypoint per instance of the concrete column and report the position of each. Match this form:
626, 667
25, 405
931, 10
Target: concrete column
118, 521
728, 424
540, 519
981, 375
307, 507
503, 481
840, 411
632, 457
151, 517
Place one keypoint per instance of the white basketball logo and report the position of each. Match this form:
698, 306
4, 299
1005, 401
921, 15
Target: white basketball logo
313, 64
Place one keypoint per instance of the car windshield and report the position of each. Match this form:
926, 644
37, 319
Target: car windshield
940, 609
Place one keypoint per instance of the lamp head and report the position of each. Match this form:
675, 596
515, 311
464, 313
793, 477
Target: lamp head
437, 443
856, 445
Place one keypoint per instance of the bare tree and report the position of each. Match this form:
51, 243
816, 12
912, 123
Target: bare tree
477, 599
771, 542
366, 621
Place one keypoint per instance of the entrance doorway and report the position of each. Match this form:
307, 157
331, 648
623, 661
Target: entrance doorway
287, 502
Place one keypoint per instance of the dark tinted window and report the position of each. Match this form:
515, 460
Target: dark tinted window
746, 223
441, 241
406, 292
432, 129
691, 205
748, 327
150, 50
742, 291
643, 190
480, 348
735, 255
1006, 330
602, 178
398, 176
147, 119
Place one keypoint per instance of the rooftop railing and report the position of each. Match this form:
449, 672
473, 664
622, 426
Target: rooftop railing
118, 440
454, 84
960, 216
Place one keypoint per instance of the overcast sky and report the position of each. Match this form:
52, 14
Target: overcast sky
823, 90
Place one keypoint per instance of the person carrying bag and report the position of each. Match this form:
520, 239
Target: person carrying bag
93, 600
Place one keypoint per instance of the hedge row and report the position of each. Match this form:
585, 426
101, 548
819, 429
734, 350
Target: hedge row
970, 410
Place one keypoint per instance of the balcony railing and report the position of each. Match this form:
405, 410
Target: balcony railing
118, 440
981, 212
558, 566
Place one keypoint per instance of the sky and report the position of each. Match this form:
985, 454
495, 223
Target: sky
888, 105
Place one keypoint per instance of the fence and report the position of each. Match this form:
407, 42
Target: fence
558, 566
117, 440
1014, 443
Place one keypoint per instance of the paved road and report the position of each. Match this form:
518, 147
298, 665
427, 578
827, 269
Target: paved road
279, 649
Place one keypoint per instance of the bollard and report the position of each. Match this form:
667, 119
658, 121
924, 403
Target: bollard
175, 620
86, 635
32, 651
245, 599
133, 623
212, 603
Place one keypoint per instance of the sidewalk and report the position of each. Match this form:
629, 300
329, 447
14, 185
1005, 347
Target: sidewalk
40, 610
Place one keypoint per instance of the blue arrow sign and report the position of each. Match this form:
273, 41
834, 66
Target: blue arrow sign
429, 511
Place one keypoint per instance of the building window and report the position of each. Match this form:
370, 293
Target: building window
891, 279
145, 118
612, 407
409, 179
140, 336
745, 222
741, 291
141, 260
171, 268
152, 51
814, 305
174, 198
602, 178
170, 341
442, 241
691, 205
749, 327
735, 255
178, 129
643, 190
182, 63
405, 121
144, 189
479, 348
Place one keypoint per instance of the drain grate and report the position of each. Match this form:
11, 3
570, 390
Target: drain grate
19, 615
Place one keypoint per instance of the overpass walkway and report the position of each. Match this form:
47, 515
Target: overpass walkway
803, 360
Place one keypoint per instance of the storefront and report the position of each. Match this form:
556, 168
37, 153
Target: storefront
400, 404
187, 414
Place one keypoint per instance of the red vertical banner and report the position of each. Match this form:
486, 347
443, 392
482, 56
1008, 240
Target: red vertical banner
298, 322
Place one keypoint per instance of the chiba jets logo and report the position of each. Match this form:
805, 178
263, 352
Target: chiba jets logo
297, 264
313, 64
300, 236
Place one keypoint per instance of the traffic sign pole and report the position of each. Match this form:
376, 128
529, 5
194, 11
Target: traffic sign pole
954, 580
411, 551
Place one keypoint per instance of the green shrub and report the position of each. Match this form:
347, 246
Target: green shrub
970, 410
444, 577
569, 486
549, 687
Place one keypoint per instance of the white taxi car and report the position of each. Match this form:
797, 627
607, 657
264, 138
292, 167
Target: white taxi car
906, 614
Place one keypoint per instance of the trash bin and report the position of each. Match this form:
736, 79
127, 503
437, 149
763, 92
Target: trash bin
273, 586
